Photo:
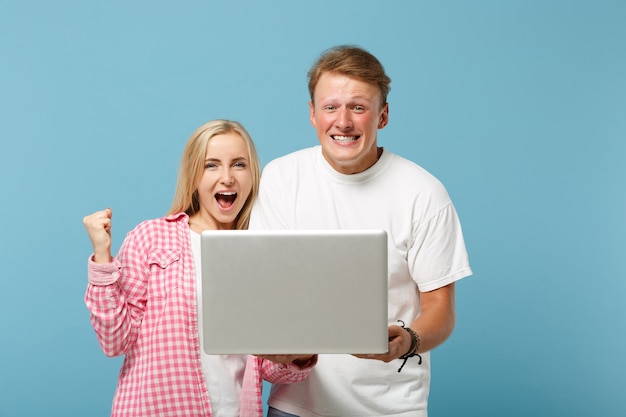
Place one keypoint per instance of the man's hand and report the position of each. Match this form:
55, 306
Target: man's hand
399, 344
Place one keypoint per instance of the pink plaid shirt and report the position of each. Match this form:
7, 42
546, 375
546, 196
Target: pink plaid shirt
143, 306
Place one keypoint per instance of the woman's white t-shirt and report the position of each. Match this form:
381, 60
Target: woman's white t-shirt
223, 373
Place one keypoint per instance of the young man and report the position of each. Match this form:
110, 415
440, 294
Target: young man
349, 182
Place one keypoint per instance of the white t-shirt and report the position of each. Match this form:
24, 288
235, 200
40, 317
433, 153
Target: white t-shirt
223, 373
426, 251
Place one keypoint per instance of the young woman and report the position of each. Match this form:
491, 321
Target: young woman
144, 303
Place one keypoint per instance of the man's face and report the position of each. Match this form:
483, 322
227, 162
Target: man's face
347, 114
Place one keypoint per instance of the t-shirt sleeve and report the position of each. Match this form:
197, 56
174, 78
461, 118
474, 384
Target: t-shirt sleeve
438, 256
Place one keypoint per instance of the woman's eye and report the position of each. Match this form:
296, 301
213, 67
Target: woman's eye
240, 165
210, 165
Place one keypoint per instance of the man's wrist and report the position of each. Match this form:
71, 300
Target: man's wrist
415, 345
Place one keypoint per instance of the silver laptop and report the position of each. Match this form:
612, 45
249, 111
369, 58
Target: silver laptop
294, 291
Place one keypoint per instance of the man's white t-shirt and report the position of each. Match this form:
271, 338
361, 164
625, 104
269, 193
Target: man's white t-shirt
426, 251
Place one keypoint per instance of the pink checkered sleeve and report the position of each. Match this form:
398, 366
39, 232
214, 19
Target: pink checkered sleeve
116, 297
251, 401
252, 386
278, 373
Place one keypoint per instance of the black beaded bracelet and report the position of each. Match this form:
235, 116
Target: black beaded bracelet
415, 344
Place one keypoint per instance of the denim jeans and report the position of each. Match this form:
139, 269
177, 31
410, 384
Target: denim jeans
272, 412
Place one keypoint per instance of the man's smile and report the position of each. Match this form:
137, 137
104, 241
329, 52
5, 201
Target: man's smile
344, 138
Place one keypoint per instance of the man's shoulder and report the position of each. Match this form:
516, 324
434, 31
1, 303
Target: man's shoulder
295, 158
409, 166
420, 179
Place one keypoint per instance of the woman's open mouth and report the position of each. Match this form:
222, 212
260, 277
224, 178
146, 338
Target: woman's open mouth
226, 199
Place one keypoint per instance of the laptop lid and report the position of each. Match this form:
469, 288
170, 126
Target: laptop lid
294, 291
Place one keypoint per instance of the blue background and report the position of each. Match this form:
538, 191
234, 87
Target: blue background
519, 107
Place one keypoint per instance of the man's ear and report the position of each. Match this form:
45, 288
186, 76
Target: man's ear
312, 113
384, 117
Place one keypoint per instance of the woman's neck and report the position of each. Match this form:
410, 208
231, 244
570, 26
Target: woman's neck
199, 224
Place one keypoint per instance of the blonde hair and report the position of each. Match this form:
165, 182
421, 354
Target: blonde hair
354, 62
192, 167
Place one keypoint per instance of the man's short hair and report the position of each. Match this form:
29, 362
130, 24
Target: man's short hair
354, 62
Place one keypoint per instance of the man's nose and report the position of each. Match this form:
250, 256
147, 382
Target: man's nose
344, 119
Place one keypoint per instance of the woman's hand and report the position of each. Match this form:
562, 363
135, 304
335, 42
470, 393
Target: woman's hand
300, 361
98, 227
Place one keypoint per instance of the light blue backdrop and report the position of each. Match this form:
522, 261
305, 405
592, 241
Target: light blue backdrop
519, 107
